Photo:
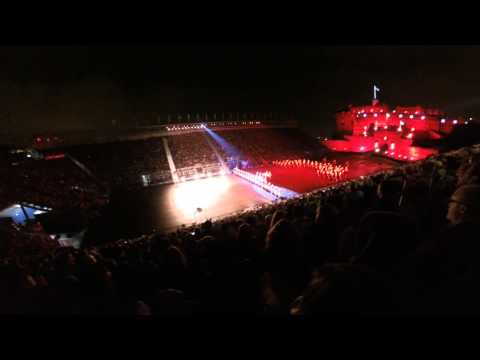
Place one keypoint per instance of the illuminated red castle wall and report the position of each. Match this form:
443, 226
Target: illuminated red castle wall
391, 132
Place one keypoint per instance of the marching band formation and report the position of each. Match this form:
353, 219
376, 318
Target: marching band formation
261, 179
330, 170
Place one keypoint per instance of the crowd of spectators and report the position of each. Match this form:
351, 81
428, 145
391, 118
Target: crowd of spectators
191, 149
261, 146
123, 163
396, 242
57, 184
28, 239
54, 184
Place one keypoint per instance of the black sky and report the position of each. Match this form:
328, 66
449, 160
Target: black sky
84, 87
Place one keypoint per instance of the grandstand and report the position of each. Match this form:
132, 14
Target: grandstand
273, 224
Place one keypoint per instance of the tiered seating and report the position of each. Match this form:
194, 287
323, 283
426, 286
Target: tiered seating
123, 162
191, 150
266, 145
55, 184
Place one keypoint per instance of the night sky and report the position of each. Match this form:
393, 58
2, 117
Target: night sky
64, 88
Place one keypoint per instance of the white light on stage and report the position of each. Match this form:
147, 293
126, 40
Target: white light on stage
442, 121
455, 122
191, 196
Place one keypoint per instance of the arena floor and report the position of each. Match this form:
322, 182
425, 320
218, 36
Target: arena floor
200, 200
166, 207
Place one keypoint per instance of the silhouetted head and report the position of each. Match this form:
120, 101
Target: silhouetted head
341, 289
464, 205
389, 191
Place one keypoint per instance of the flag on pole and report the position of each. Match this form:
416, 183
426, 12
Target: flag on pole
375, 90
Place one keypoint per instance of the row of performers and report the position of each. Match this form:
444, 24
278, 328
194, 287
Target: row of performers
331, 170
261, 179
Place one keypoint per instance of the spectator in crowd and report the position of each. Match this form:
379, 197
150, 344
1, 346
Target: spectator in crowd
286, 270
342, 289
443, 273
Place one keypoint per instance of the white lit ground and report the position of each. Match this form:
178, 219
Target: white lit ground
199, 200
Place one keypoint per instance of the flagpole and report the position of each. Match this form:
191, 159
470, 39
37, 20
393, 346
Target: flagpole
375, 90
